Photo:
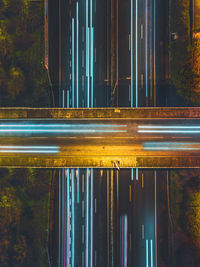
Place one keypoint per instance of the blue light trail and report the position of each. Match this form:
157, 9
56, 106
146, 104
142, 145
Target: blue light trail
132, 174
131, 53
87, 54
87, 220
78, 178
73, 216
167, 127
68, 220
63, 98
170, 146
151, 242
61, 125
77, 56
67, 98
91, 220
146, 48
30, 149
73, 63
136, 174
147, 254
136, 54
92, 67
169, 131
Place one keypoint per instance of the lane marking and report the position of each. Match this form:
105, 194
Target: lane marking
141, 31
142, 231
142, 80
142, 180
95, 205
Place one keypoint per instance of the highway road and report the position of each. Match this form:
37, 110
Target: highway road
107, 57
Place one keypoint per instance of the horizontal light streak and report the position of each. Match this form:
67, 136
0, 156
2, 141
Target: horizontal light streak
169, 131
171, 146
61, 131
63, 125
29, 149
167, 127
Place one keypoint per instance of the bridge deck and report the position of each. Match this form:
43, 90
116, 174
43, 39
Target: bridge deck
131, 146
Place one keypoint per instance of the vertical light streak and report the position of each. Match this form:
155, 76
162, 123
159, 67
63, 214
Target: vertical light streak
73, 217
88, 67
92, 65
155, 198
86, 39
146, 47
112, 216
59, 218
150, 43
108, 220
118, 260
125, 240
132, 174
87, 220
136, 54
87, 54
131, 53
91, 220
136, 174
68, 220
122, 240
73, 63
77, 56
63, 218
78, 184
63, 98
151, 253
154, 53
91, 9
67, 98
147, 254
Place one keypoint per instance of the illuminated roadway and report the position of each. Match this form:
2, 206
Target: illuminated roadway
102, 142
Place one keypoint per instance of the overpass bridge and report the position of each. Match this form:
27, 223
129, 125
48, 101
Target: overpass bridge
100, 137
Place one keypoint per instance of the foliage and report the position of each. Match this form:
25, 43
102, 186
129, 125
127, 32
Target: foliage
24, 204
183, 69
23, 81
185, 203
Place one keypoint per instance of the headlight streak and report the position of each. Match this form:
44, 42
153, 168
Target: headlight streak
63, 125
58, 130
30, 149
156, 146
168, 129
62, 131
